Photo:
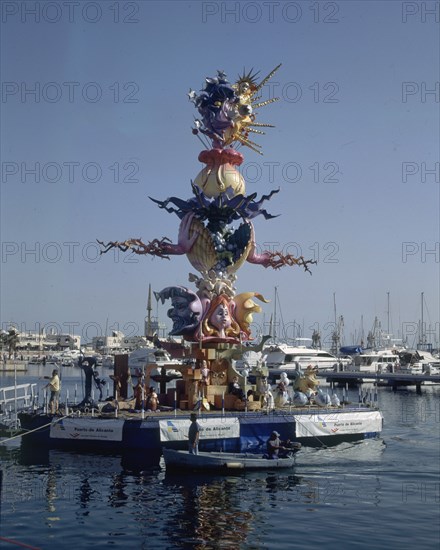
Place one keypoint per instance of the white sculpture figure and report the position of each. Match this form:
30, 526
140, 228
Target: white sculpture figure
300, 399
267, 400
282, 394
322, 399
284, 379
335, 400
205, 373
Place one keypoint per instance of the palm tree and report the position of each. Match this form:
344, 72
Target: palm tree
10, 340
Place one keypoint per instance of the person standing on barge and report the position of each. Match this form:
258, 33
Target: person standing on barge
193, 435
54, 385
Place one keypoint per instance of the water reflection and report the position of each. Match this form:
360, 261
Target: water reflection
118, 497
30, 454
51, 490
63, 477
138, 462
85, 494
208, 509
131, 462
53, 497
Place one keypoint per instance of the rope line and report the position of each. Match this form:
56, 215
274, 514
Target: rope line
22, 544
35, 429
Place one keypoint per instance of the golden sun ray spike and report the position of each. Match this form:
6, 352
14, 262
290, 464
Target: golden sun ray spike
262, 125
264, 103
251, 142
250, 78
252, 145
268, 77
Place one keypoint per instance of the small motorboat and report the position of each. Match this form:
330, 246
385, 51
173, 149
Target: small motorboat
227, 461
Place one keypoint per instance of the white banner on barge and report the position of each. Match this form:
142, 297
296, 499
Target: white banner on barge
338, 423
87, 429
210, 428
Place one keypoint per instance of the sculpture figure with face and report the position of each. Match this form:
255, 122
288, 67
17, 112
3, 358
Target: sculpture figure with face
219, 322
204, 371
221, 319
185, 311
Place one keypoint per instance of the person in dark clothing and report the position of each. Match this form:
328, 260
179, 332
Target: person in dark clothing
235, 389
87, 364
274, 446
193, 435
99, 383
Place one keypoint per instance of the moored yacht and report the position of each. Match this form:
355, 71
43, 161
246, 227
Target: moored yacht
419, 361
285, 357
376, 361
140, 358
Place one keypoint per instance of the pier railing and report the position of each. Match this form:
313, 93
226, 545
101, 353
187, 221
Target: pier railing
14, 399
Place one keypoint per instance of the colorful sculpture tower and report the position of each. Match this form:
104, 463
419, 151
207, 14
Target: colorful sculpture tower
212, 314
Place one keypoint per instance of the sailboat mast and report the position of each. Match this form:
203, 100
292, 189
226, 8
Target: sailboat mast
275, 315
149, 309
335, 336
388, 313
422, 335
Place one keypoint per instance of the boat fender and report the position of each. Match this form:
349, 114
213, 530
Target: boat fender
234, 465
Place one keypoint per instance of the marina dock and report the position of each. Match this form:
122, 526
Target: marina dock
393, 380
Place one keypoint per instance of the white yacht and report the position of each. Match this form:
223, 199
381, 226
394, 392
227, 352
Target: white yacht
285, 357
419, 362
376, 361
139, 358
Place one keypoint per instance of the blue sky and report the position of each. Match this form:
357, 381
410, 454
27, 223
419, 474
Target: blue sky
355, 152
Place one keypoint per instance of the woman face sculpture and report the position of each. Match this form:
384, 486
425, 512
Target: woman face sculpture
219, 321
220, 318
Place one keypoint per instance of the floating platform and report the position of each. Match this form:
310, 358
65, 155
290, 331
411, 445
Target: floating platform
229, 432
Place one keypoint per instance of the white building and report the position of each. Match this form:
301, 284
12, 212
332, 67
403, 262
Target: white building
119, 343
40, 341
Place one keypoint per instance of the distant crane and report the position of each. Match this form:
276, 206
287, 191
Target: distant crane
338, 331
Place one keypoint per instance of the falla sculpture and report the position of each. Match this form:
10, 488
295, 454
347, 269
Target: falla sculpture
214, 246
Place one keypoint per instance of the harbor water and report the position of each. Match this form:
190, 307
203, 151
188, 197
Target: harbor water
382, 493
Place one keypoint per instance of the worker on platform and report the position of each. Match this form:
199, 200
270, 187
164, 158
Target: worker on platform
193, 435
54, 385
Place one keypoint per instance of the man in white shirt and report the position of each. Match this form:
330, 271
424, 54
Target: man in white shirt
54, 385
